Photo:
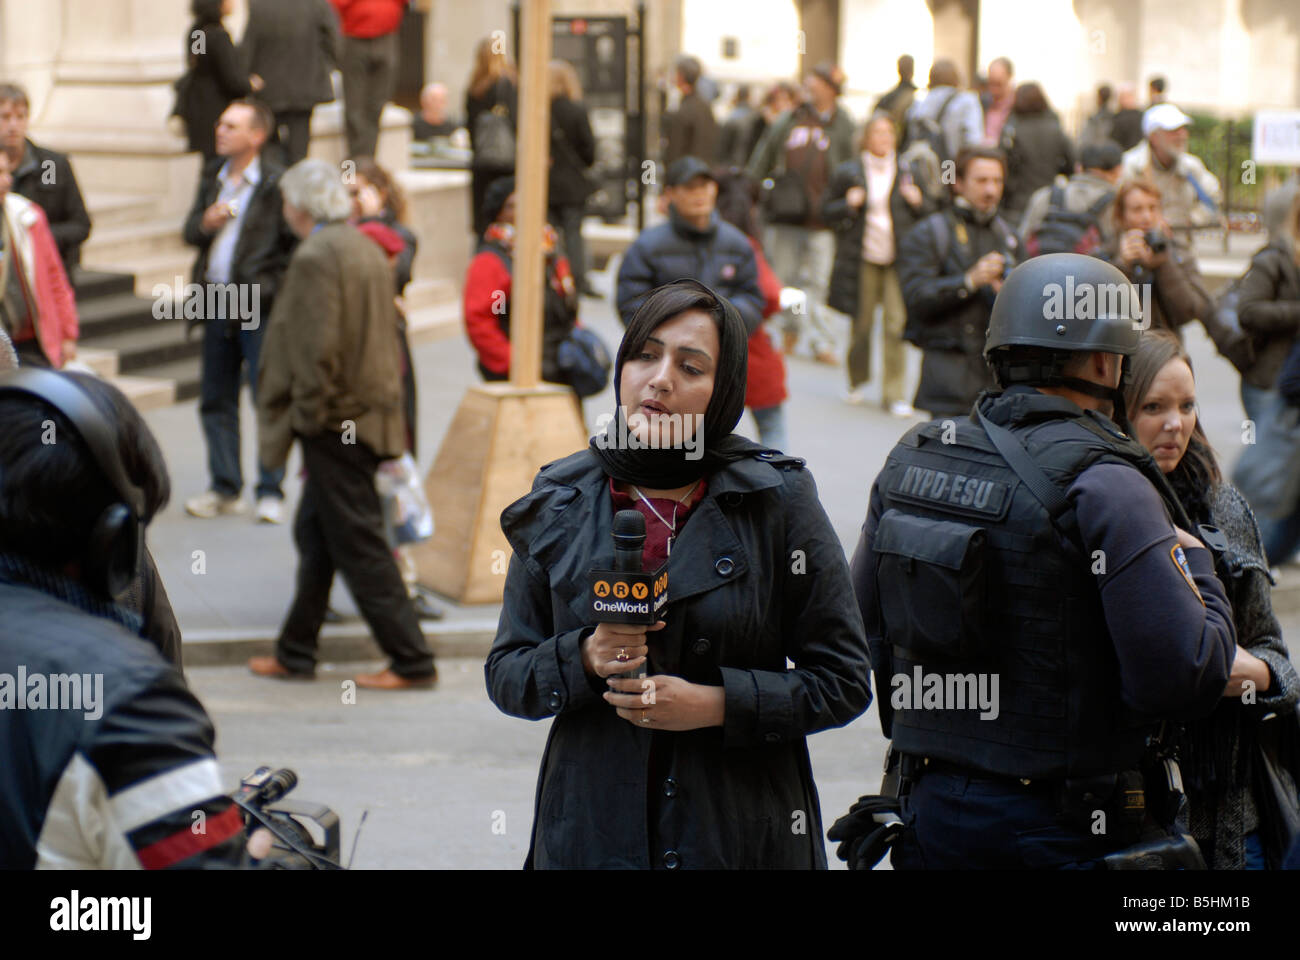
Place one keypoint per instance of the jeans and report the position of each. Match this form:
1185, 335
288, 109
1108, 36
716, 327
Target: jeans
1255, 852
369, 66
340, 526
771, 426
1280, 536
802, 258
226, 352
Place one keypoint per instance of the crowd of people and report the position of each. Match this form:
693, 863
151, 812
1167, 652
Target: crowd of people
954, 213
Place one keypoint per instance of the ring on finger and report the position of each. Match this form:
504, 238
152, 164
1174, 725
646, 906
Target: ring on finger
645, 717
622, 655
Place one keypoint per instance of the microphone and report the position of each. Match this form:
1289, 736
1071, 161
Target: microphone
629, 541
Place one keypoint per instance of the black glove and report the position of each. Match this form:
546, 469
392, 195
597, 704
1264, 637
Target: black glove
867, 831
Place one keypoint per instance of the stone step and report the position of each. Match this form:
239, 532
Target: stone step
146, 393
434, 323
102, 362
158, 270
181, 377
91, 284
127, 242
108, 210
140, 350
105, 316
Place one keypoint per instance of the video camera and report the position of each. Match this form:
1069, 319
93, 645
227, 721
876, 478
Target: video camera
295, 846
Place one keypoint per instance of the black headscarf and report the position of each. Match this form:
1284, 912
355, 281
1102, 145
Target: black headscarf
666, 469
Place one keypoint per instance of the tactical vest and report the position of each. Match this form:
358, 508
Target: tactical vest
975, 582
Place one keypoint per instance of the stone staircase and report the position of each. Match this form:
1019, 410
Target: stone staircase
134, 257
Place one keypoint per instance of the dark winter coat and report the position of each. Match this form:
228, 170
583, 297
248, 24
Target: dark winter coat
849, 225
1178, 294
1222, 813
611, 794
719, 256
265, 241
291, 45
691, 132
573, 150
45, 177
1268, 308
946, 320
503, 93
220, 75
1037, 150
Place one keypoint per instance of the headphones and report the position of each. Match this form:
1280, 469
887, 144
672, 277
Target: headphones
112, 555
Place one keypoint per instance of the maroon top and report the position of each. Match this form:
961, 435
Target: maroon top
656, 531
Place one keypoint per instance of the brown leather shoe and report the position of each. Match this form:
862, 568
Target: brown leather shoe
387, 680
271, 667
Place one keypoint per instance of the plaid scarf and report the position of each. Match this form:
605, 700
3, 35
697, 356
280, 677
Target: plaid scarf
20, 570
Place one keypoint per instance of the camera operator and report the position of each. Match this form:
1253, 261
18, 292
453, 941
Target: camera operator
110, 757
1147, 254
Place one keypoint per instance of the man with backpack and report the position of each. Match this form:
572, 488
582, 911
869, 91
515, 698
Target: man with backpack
1075, 217
793, 162
951, 266
938, 126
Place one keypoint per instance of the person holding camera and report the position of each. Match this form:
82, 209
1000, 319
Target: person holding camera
1148, 255
703, 763
109, 756
951, 266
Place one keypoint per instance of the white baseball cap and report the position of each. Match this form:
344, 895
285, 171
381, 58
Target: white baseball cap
1164, 116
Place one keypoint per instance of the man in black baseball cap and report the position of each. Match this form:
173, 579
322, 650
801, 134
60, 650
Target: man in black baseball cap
683, 171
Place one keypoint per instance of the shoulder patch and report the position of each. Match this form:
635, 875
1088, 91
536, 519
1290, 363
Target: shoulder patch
1180, 561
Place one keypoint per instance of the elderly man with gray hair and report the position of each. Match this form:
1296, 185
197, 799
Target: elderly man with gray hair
330, 378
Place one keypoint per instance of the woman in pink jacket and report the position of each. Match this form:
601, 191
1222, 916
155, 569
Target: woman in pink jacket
37, 308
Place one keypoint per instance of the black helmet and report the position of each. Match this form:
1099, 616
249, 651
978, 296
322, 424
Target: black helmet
1069, 302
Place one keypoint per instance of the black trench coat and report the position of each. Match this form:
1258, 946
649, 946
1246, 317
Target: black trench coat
756, 575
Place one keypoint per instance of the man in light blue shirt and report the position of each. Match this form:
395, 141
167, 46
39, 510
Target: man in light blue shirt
244, 245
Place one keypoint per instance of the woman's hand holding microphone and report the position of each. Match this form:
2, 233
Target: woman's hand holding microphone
661, 702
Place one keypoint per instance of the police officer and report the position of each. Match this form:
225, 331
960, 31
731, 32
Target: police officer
1033, 611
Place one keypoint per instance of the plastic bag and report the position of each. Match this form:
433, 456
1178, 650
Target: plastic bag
408, 518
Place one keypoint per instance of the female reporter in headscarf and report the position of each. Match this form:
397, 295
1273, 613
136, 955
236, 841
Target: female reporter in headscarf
1217, 752
703, 764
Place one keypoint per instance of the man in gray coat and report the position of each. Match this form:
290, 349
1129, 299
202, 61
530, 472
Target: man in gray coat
289, 47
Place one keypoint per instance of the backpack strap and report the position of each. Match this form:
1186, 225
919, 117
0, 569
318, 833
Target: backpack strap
1057, 198
1100, 204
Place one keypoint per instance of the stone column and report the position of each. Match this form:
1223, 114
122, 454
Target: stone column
110, 95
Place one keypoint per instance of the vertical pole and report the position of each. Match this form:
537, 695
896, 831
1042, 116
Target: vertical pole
641, 116
532, 170
1227, 186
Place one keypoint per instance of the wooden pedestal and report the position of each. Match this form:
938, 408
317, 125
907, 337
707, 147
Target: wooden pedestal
500, 437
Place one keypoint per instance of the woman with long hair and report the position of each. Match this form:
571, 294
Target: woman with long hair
701, 762
492, 90
1217, 751
871, 202
218, 74
1037, 149
573, 151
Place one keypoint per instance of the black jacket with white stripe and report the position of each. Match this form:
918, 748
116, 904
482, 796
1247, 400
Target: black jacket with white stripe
117, 777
